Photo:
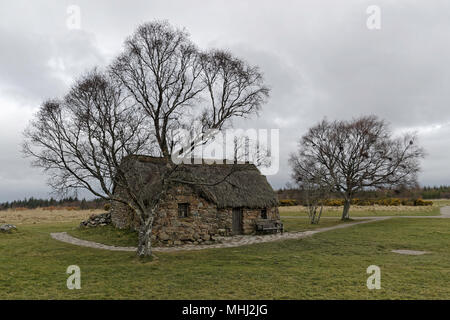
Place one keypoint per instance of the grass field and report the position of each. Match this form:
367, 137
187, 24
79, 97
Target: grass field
330, 265
366, 211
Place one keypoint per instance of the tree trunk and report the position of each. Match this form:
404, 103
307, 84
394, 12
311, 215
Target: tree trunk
345, 213
145, 238
145, 231
320, 214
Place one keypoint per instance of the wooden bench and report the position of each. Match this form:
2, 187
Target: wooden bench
266, 226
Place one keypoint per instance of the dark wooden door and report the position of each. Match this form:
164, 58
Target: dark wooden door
237, 221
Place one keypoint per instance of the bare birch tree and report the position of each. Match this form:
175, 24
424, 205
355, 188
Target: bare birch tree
175, 83
357, 155
313, 186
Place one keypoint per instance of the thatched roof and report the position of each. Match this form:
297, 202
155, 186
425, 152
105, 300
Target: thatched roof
226, 185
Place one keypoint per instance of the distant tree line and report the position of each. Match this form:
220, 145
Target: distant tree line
441, 192
33, 203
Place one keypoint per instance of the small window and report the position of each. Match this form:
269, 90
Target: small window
264, 213
183, 210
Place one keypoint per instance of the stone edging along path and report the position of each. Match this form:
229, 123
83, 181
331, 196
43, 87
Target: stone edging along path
238, 240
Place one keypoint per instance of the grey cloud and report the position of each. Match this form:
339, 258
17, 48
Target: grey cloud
39, 67
318, 57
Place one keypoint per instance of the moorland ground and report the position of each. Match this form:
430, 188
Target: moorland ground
330, 265
368, 211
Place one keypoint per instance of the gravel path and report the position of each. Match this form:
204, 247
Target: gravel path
237, 241
445, 212
410, 252
65, 237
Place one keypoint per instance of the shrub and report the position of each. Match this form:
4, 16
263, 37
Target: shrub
420, 202
54, 208
20, 209
334, 202
389, 202
408, 202
285, 202
50, 208
107, 206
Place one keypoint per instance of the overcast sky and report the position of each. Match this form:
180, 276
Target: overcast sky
319, 58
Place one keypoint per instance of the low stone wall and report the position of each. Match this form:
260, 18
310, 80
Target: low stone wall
7, 228
102, 219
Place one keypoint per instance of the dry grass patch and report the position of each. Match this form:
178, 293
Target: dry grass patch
441, 202
365, 211
40, 216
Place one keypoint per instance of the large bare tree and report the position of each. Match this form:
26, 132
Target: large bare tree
160, 68
357, 155
161, 83
175, 83
84, 140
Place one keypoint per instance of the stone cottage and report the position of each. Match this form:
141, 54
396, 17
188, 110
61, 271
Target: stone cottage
194, 213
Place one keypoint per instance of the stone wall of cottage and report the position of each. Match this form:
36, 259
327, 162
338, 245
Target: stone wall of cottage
204, 223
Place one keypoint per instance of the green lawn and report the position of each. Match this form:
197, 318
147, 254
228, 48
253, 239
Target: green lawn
107, 235
303, 224
330, 265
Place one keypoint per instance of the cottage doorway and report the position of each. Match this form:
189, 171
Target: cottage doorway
237, 221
